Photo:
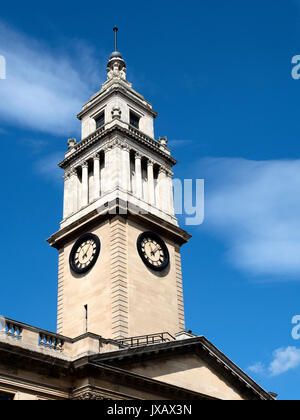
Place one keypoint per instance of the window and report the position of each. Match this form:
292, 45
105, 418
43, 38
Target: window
134, 119
100, 120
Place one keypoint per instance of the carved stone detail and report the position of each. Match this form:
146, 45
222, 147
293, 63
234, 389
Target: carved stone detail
90, 393
71, 144
85, 396
116, 112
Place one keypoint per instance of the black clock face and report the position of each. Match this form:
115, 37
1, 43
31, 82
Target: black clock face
153, 251
85, 253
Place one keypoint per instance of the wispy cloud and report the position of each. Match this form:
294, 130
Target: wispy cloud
180, 143
47, 167
45, 88
254, 206
34, 145
284, 360
258, 368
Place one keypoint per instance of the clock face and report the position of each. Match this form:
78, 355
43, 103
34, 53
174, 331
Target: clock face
85, 253
153, 251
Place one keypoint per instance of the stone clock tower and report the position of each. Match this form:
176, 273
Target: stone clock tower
120, 320
119, 240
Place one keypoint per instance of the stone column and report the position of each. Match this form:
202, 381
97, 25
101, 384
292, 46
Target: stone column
170, 193
151, 190
106, 177
96, 176
85, 184
125, 182
73, 191
162, 195
138, 175
66, 194
79, 191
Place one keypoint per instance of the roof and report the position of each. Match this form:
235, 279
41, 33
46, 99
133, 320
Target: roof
197, 345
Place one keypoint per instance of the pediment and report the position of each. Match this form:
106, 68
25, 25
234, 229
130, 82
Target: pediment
194, 364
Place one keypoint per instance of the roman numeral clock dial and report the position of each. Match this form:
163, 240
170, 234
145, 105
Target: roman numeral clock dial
85, 253
153, 251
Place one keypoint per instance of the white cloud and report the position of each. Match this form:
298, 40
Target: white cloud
257, 368
45, 88
254, 206
284, 360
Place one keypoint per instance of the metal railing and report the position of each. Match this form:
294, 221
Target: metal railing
145, 340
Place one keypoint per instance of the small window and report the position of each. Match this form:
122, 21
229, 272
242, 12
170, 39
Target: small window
100, 120
134, 120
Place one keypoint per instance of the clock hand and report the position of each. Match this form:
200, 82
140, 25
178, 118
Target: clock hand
155, 251
84, 251
87, 250
151, 246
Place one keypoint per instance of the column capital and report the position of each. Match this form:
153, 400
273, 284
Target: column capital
73, 172
107, 148
138, 155
116, 142
162, 170
84, 164
126, 147
150, 162
67, 175
96, 156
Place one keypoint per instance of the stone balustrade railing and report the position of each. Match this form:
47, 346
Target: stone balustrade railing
12, 329
30, 337
35, 339
51, 342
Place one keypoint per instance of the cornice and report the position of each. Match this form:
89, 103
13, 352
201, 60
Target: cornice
101, 134
114, 209
139, 101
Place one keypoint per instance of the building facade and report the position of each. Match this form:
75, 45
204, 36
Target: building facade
120, 318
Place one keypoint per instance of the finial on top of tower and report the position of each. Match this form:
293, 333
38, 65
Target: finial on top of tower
116, 53
116, 66
116, 37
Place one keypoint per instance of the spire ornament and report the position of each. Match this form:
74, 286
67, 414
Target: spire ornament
116, 67
116, 37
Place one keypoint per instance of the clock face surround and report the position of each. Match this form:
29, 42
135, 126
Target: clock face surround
153, 251
85, 253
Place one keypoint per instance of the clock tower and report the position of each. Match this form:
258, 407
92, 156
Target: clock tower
119, 241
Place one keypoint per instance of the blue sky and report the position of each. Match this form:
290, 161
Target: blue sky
219, 74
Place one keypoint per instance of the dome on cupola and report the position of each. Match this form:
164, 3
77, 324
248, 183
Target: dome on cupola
115, 54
